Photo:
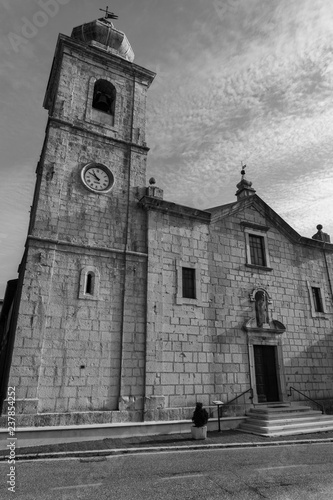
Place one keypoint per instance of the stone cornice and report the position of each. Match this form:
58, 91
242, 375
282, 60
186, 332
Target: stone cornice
59, 122
150, 203
80, 246
251, 225
274, 327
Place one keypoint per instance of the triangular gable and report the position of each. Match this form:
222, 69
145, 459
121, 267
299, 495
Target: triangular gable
255, 202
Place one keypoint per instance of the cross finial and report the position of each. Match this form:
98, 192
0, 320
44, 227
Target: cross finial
109, 15
243, 168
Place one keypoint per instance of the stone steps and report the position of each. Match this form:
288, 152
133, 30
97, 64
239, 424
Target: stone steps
276, 409
283, 420
284, 415
290, 421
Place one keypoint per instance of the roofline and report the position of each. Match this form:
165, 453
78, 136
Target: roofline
151, 203
207, 216
282, 225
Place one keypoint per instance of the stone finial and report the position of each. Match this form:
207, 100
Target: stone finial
153, 190
320, 235
244, 186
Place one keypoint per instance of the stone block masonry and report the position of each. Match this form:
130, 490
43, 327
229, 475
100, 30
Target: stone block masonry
197, 350
80, 347
70, 359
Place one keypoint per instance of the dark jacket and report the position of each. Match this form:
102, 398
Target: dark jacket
200, 416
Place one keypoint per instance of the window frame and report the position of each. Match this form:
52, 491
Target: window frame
189, 283
95, 281
250, 231
321, 288
180, 299
257, 250
317, 299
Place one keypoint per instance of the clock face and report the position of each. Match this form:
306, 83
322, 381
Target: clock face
97, 177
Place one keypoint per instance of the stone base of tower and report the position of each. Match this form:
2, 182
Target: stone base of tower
130, 409
97, 417
28, 413
73, 418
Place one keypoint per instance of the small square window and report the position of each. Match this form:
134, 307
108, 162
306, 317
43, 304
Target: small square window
188, 280
257, 250
317, 299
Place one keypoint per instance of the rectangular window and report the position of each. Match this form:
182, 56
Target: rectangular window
317, 299
256, 241
188, 279
257, 250
188, 283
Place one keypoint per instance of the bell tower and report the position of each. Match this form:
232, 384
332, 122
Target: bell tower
79, 343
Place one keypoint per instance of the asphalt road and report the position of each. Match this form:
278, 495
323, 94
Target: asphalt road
303, 472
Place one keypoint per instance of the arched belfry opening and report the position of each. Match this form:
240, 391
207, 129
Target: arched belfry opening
104, 98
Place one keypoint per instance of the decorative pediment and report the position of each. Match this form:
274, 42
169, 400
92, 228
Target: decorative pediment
269, 215
273, 326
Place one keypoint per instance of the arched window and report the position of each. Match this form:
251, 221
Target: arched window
104, 98
89, 283
89, 286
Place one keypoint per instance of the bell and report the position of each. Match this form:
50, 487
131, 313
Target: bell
102, 102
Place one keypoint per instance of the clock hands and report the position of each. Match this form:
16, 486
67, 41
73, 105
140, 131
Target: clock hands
94, 174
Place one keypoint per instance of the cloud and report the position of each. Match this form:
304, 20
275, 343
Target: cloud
236, 80
312, 205
253, 84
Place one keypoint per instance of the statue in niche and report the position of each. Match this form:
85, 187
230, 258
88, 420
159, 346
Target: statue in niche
261, 309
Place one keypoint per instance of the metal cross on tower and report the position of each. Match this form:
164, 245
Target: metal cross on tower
109, 15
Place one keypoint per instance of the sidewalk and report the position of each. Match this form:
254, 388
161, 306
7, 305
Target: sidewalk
215, 439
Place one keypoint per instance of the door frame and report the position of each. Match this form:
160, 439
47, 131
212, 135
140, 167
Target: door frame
265, 338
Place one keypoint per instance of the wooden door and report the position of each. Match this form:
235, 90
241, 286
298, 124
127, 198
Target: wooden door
266, 376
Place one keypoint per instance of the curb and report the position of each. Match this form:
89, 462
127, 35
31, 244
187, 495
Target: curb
155, 449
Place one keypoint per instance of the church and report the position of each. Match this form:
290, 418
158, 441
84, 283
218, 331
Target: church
131, 308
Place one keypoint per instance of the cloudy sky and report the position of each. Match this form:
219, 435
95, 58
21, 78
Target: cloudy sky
237, 80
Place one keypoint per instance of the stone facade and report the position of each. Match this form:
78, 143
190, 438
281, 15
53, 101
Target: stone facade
131, 345
202, 349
